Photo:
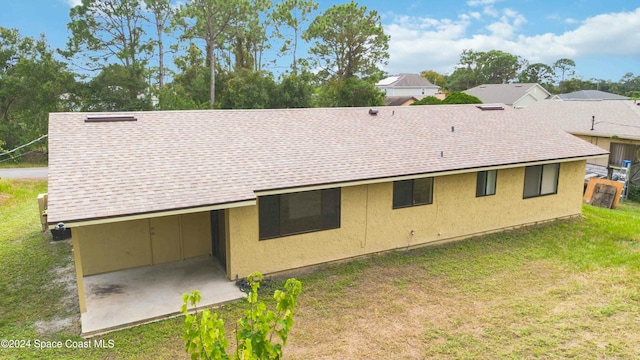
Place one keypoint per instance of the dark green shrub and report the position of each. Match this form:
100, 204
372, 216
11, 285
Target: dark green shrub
461, 98
428, 100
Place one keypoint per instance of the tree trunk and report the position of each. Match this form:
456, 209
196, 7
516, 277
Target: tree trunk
160, 57
295, 49
212, 73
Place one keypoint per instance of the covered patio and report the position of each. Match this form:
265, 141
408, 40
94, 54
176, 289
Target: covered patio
130, 297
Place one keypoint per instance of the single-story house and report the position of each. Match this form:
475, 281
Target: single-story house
518, 95
276, 190
407, 85
613, 125
589, 95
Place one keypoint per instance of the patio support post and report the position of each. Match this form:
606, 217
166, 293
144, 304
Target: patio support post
78, 265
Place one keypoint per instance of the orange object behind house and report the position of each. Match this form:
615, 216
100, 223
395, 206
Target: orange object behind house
592, 185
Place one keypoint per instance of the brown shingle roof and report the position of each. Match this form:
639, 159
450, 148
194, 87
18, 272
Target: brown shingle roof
180, 159
398, 100
612, 117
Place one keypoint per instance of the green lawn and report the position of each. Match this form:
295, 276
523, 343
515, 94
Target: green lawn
570, 289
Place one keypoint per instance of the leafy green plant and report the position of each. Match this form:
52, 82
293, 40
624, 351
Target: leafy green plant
461, 98
428, 100
204, 332
634, 193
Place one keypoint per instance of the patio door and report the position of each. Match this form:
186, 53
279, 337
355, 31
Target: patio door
218, 237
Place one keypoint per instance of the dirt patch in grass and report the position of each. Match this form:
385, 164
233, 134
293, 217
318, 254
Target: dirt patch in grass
68, 320
53, 326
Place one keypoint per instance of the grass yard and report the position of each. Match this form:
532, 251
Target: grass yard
570, 289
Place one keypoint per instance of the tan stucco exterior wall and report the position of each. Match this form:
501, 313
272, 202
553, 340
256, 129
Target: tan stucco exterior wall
604, 143
601, 142
128, 244
369, 224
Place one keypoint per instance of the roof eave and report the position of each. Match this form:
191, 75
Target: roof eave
152, 214
605, 135
265, 192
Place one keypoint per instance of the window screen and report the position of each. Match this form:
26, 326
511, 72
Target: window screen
412, 192
541, 180
486, 183
294, 213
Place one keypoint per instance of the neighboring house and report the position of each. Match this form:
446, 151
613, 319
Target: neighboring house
400, 100
612, 125
276, 190
589, 95
407, 85
514, 95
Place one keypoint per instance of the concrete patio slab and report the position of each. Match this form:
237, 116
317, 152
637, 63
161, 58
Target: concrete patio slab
130, 297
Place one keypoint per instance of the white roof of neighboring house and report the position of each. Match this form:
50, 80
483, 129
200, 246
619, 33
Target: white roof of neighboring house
507, 94
591, 95
173, 160
405, 81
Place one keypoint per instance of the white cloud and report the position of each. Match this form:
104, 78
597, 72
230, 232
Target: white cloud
491, 11
506, 27
571, 21
500, 29
480, 2
419, 43
73, 3
614, 34
425, 43
476, 15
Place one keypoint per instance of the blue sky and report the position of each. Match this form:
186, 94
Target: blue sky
602, 37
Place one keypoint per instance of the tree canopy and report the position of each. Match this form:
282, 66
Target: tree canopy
348, 41
32, 84
478, 67
124, 55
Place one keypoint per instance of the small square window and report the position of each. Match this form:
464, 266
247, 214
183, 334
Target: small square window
541, 180
413, 192
486, 183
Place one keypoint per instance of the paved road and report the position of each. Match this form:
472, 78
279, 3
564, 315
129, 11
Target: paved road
24, 173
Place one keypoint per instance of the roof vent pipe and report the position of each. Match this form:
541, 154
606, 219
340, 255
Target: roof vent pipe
593, 121
453, 129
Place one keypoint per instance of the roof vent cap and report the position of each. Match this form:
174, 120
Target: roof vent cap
109, 118
490, 107
373, 112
